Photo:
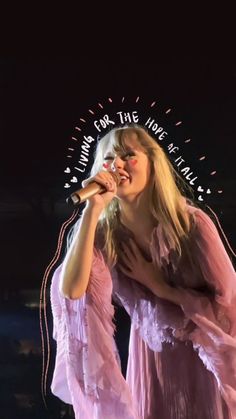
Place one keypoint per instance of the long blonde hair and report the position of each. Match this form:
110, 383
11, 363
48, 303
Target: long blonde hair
167, 203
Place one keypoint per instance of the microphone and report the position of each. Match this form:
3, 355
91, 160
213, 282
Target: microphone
91, 189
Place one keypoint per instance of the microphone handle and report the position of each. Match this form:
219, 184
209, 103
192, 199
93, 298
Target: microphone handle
78, 197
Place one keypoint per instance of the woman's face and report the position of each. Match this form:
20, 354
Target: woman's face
133, 166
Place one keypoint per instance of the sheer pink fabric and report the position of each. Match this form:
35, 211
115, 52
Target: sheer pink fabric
182, 359
87, 371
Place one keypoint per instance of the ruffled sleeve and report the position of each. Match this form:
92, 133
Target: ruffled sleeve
87, 370
155, 319
214, 316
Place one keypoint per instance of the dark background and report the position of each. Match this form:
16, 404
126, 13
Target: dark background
42, 100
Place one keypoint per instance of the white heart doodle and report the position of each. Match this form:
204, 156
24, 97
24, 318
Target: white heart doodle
66, 185
74, 179
200, 189
67, 170
200, 198
208, 191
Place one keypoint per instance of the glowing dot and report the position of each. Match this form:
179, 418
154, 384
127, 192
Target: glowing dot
168, 110
110, 100
72, 149
91, 111
123, 99
83, 120
202, 158
213, 173
153, 103
188, 140
100, 105
220, 191
69, 157
73, 138
78, 129
178, 123
137, 99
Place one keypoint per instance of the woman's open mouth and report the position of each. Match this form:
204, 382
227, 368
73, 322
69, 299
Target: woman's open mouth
123, 179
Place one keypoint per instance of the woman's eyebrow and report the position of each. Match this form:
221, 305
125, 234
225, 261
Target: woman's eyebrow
126, 150
108, 154
130, 150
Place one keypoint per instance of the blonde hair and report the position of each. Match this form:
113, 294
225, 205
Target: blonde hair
167, 203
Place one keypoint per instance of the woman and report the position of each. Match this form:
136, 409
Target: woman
162, 259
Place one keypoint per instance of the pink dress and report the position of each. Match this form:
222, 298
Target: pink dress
182, 359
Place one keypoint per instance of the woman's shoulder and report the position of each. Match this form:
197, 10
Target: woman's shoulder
199, 215
203, 224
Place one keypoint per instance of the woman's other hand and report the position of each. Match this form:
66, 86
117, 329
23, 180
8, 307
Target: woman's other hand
135, 266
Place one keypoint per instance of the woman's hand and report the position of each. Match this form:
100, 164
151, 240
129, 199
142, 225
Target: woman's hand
135, 266
101, 200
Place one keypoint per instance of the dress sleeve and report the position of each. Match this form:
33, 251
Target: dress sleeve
155, 319
214, 336
208, 319
87, 371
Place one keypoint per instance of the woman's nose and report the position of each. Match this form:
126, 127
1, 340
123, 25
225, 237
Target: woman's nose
117, 163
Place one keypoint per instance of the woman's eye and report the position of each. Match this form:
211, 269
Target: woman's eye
125, 156
129, 155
